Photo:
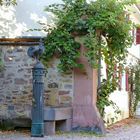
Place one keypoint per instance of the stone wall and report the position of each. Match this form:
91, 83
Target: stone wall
16, 84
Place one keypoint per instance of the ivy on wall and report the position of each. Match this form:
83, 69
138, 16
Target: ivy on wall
105, 28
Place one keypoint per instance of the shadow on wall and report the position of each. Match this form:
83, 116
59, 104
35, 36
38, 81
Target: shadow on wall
8, 24
17, 20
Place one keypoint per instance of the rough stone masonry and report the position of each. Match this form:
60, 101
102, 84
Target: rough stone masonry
16, 84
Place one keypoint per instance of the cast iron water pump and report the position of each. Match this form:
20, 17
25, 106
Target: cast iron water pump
38, 72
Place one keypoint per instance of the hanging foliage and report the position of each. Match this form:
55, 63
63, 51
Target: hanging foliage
105, 27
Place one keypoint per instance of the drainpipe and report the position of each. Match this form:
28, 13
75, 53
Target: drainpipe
99, 71
98, 33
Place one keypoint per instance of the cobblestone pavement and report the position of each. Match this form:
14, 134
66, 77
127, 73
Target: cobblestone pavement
128, 130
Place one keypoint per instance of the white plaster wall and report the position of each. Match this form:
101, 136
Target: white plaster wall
135, 50
131, 59
137, 113
135, 18
134, 14
121, 98
17, 20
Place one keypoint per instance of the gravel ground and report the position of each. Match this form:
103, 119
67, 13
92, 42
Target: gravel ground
126, 130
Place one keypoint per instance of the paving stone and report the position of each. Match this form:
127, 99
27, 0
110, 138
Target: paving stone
126, 132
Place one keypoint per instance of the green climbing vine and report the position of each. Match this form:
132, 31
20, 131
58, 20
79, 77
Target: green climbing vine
134, 81
105, 28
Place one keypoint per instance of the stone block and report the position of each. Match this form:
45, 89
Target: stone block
49, 127
64, 125
68, 86
22, 122
53, 85
20, 81
53, 99
57, 118
57, 113
10, 75
20, 49
11, 107
67, 100
62, 92
1, 74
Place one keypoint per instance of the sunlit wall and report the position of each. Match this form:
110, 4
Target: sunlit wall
18, 20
